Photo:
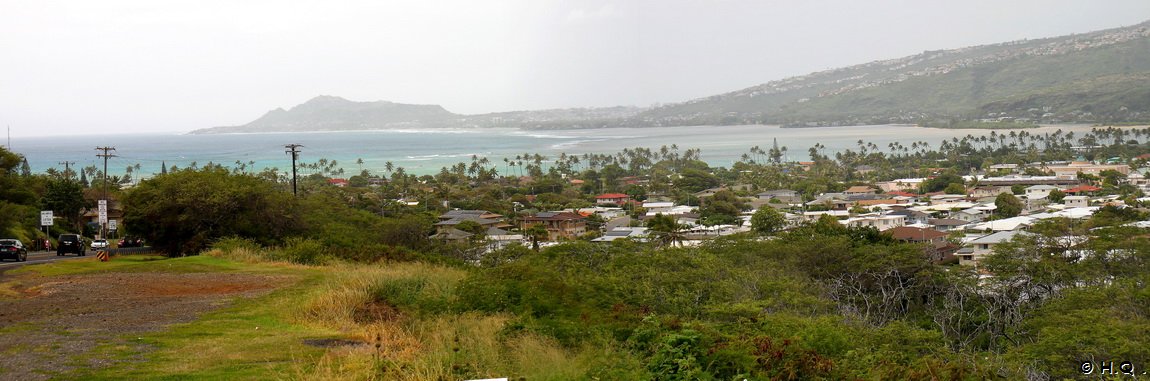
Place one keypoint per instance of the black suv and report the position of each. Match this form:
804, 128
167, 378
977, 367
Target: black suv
70, 243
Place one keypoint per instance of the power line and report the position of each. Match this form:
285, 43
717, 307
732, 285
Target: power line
293, 149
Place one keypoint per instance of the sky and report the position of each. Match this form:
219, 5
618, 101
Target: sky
124, 66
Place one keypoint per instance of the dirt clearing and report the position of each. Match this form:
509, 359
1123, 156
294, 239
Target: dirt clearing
60, 324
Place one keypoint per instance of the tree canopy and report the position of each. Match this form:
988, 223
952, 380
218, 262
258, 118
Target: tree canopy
184, 211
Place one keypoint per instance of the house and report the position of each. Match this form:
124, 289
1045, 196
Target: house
658, 206
606, 213
559, 225
1138, 180
937, 247
636, 233
1005, 224
984, 245
1004, 167
1038, 192
911, 217
882, 223
833, 201
1082, 189
1076, 201
859, 189
784, 196
946, 224
900, 185
341, 183
450, 221
988, 191
617, 199
709, 192
968, 215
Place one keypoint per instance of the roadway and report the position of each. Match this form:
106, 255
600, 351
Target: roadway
36, 257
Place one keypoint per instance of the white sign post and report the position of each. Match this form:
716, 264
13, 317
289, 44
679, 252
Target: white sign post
103, 211
46, 218
112, 225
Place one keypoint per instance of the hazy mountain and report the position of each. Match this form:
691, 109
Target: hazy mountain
328, 113
1099, 77
1093, 77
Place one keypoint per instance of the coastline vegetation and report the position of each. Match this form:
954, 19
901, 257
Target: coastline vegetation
819, 301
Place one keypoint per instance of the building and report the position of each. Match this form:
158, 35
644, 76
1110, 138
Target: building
1074, 168
448, 222
1038, 192
785, 196
937, 247
1076, 201
617, 199
983, 246
559, 225
882, 223
859, 189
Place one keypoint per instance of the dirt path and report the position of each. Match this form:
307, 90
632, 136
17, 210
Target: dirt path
57, 323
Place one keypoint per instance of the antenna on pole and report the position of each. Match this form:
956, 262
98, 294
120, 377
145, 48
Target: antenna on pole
293, 149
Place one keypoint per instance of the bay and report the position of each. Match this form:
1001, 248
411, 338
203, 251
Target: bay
426, 151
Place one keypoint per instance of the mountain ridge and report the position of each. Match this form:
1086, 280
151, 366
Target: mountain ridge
1049, 80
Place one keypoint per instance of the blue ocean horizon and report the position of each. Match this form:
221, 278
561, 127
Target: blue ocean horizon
426, 151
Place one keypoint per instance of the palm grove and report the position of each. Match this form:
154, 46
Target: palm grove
818, 300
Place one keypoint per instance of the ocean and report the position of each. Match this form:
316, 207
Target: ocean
426, 151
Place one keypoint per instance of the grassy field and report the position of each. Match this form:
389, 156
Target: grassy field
338, 321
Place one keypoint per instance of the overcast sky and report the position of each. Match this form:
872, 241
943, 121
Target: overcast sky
135, 66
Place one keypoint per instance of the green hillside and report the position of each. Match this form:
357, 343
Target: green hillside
1079, 78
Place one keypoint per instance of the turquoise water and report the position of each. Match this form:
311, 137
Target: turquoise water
426, 151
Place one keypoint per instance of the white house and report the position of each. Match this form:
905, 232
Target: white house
1038, 192
1076, 201
983, 246
882, 223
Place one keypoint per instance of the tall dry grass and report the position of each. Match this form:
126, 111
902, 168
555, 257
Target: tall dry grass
402, 343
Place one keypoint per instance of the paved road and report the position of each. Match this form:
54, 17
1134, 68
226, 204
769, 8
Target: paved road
43, 257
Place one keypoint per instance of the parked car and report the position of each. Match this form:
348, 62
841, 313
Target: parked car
98, 244
131, 242
70, 243
14, 249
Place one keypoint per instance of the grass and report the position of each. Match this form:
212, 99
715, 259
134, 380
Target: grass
402, 314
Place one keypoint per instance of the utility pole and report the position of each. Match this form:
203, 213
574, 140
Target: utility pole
67, 167
293, 149
104, 198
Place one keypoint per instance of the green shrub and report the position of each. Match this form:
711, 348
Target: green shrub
302, 251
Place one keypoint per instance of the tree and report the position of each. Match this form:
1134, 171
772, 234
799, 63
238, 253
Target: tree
184, 211
694, 180
665, 229
767, 220
536, 233
1056, 195
65, 197
1006, 205
955, 188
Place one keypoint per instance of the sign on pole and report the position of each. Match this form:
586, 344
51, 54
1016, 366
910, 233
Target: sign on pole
111, 224
46, 218
103, 211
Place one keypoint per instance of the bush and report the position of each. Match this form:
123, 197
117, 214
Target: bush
302, 251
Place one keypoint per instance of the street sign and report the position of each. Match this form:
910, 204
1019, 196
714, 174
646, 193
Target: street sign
46, 218
111, 224
103, 211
